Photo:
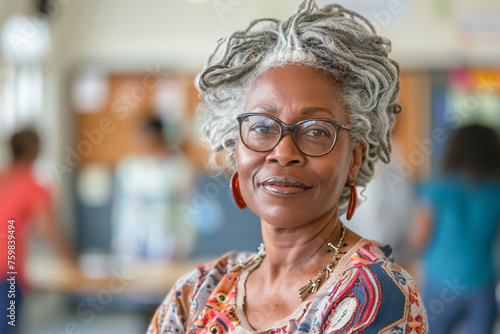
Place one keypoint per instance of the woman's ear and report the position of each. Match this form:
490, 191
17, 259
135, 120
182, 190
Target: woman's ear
356, 160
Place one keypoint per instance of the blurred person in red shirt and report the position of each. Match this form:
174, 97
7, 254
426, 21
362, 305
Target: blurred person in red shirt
25, 205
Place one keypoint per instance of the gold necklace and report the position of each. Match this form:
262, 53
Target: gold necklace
315, 281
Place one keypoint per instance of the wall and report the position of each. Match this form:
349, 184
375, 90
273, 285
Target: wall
424, 33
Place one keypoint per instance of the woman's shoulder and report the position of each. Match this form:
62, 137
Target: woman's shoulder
374, 290
214, 269
377, 259
227, 262
191, 292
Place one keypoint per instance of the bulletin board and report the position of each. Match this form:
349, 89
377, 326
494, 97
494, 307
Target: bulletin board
109, 106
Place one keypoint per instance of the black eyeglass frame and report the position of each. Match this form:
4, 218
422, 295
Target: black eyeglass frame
291, 128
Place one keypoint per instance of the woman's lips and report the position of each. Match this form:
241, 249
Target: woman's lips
283, 186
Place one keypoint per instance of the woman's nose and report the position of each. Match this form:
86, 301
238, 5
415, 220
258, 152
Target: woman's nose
286, 153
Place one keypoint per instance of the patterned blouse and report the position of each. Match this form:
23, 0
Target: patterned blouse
366, 293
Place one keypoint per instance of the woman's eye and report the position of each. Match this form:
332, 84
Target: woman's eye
260, 128
317, 133
266, 127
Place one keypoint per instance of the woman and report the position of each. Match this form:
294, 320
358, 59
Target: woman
460, 207
301, 110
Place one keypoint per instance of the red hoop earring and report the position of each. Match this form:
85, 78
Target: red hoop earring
235, 191
353, 202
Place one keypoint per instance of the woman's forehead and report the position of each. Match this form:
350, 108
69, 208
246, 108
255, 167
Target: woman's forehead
302, 90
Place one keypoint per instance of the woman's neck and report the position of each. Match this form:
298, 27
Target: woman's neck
303, 249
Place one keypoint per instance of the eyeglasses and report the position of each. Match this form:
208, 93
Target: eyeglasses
313, 136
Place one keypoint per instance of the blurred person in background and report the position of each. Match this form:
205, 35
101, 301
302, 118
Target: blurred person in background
456, 227
151, 184
27, 202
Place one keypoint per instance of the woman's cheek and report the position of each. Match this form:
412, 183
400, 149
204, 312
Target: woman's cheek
248, 163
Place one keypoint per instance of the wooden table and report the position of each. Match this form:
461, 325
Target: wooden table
152, 277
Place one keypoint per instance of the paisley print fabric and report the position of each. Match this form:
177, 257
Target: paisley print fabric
367, 293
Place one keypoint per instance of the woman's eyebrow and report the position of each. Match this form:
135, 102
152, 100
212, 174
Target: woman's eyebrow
267, 108
310, 110
307, 110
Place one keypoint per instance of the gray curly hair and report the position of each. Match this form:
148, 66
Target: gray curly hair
333, 39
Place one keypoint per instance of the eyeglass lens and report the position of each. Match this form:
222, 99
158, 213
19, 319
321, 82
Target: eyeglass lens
314, 137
